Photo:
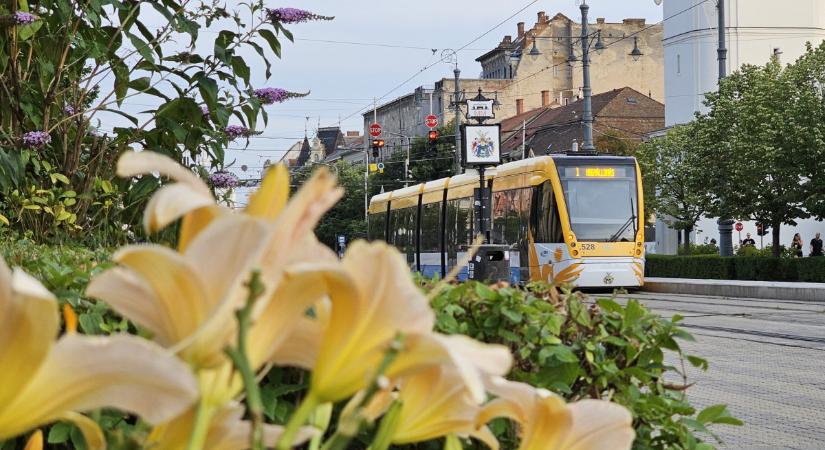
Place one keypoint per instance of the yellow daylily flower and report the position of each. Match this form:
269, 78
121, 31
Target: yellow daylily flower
434, 403
227, 431
373, 300
548, 423
43, 381
190, 198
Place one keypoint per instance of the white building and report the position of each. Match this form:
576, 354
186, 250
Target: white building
755, 30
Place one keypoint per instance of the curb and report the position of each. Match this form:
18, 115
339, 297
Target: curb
814, 292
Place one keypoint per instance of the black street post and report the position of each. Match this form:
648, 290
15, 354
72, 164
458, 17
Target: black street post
725, 224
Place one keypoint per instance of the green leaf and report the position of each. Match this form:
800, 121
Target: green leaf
59, 177
4, 220
696, 361
512, 316
59, 433
272, 40
90, 323
241, 68
560, 353
717, 414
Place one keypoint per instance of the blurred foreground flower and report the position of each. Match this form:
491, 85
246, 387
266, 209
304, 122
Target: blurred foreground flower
23, 18
293, 15
42, 381
548, 423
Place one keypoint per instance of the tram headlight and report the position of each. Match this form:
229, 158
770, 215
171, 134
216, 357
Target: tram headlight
638, 253
638, 244
573, 244
575, 253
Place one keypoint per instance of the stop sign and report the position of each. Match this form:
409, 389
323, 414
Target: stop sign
739, 226
375, 130
431, 121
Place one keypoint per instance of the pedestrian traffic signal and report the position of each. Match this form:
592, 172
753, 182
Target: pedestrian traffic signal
433, 139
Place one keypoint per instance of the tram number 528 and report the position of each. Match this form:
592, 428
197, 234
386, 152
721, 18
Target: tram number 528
588, 247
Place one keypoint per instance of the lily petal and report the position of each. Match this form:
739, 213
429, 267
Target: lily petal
472, 359
89, 428
195, 222
35, 441
172, 202
83, 373
29, 322
300, 348
599, 425
271, 198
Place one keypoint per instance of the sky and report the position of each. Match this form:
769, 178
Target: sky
344, 78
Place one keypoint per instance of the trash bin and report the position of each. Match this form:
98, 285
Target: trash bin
491, 264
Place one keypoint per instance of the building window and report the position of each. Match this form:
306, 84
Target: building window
678, 64
555, 71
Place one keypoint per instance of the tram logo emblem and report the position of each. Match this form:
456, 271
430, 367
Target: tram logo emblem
483, 145
608, 279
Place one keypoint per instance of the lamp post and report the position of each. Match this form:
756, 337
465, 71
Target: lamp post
587, 89
725, 224
451, 57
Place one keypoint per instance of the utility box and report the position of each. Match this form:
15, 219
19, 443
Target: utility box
491, 264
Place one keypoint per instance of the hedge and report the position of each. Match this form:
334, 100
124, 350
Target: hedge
753, 268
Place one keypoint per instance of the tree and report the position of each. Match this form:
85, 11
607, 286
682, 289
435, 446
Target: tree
347, 216
756, 146
675, 173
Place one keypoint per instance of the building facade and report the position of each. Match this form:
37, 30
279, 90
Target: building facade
755, 29
520, 82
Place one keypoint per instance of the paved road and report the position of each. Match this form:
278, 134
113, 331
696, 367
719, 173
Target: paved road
767, 361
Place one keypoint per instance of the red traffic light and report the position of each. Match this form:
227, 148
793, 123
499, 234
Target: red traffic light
433, 135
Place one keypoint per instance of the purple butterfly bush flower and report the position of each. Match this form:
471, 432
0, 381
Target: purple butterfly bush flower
23, 18
293, 15
268, 96
36, 139
224, 180
236, 131
69, 110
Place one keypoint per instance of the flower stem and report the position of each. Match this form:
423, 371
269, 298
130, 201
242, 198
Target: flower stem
244, 367
390, 422
200, 429
299, 417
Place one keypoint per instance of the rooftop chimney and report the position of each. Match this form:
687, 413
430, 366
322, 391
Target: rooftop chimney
545, 99
519, 106
353, 133
542, 17
520, 26
600, 20
637, 22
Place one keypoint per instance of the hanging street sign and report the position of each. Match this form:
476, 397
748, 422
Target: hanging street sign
375, 130
431, 121
480, 109
482, 144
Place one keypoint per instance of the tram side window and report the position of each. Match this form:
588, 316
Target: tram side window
459, 227
405, 232
547, 223
465, 222
378, 225
506, 205
431, 228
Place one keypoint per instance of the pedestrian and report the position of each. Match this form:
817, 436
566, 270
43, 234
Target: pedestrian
713, 241
796, 245
816, 246
748, 241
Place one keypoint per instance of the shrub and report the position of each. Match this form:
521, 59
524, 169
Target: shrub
582, 348
704, 249
749, 268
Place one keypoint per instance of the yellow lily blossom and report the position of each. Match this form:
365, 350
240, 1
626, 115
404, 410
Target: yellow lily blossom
548, 423
227, 431
43, 381
374, 300
434, 403
190, 198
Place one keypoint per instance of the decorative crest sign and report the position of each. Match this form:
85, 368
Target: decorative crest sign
482, 145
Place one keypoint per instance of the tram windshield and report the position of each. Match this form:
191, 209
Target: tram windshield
602, 202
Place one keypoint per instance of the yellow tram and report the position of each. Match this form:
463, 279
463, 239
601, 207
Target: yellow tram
566, 219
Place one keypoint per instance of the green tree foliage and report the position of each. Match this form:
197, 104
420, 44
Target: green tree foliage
68, 64
757, 146
673, 168
347, 217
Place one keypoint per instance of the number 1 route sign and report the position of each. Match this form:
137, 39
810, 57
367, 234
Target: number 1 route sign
375, 130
